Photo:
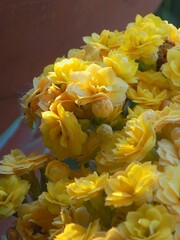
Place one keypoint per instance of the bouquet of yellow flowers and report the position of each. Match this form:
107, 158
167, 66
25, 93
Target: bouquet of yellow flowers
109, 114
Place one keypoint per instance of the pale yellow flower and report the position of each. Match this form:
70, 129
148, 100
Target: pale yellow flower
29, 102
105, 41
123, 66
138, 139
56, 170
134, 185
152, 77
168, 192
18, 163
77, 232
12, 193
62, 133
143, 37
95, 85
148, 222
34, 221
147, 95
168, 116
88, 187
135, 112
171, 68
56, 196
64, 67
168, 153
111, 234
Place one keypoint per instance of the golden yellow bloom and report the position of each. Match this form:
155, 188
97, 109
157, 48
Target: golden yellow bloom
96, 84
18, 163
88, 187
56, 170
168, 116
148, 222
12, 193
147, 95
139, 138
62, 133
77, 232
168, 192
171, 69
56, 196
111, 234
34, 221
143, 37
64, 67
105, 41
168, 153
152, 77
175, 136
135, 112
123, 66
134, 185
29, 102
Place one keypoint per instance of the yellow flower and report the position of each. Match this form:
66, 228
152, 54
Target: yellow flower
147, 95
106, 41
69, 215
139, 138
134, 185
168, 192
96, 84
111, 234
143, 37
29, 102
18, 163
64, 67
62, 133
168, 153
56, 196
56, 170
171, 69
123, 66
88, 187
148, 222
77, 232
34, 221
12, 193
168, 116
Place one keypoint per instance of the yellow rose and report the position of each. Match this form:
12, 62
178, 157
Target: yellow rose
171, 68
34, 221
148, 96
88, 187
29, 102
12, 193
134, 185
105, 41
168, 153
123, 66
18, 163
138, 139
96, 84
76, 232
143, 37
168, 192
64, 67
168, 116
56, 196
56, 171
62, 133
148, 222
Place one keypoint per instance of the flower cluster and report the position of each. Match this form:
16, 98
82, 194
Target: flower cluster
110, 116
